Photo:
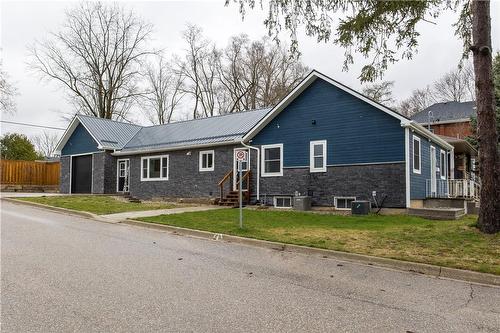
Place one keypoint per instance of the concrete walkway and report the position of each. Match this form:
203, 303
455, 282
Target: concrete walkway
117, 217
28, 194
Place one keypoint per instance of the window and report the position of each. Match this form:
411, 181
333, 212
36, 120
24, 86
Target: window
317, 156
207, 160
154, 168
272, 160
283, 202
343, 202
416, 154
442, 165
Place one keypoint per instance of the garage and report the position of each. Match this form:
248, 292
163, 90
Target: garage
81, 174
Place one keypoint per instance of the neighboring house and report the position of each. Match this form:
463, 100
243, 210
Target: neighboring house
451, 121
323, 139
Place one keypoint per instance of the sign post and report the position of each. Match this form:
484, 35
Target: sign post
241, 156
240, 196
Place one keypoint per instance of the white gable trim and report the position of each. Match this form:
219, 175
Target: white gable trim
69, 131
309, 79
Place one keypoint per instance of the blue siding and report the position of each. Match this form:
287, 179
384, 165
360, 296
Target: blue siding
356, 132
417, 181
79, 142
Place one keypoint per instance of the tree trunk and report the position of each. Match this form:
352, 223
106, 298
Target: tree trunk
489, 159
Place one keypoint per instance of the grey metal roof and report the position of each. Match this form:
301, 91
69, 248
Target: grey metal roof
446, 111
218, 129
110, 134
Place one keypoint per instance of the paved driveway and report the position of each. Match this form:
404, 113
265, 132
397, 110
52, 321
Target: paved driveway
66, 274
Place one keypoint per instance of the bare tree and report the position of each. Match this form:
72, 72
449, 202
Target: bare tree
419, 100
258, 73
96, 57
45, 143
456, 85
380, 92
7, 93
191, 66
244, 75
164, 91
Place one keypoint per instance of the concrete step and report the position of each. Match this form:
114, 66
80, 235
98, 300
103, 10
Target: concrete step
444, 203
437, 213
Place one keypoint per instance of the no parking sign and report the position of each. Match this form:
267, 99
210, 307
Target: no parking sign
241, 155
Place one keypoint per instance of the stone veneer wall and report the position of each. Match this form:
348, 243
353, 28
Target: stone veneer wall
185, 179
356, 180
103, 173
65, 180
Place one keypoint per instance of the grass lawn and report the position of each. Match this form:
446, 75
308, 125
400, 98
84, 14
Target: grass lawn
97, 204
447, 243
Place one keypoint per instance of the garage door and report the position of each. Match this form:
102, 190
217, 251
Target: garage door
81, 174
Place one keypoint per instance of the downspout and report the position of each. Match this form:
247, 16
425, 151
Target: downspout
258, 167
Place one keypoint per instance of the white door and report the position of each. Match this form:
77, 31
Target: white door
433, 170
122, 179
245, 166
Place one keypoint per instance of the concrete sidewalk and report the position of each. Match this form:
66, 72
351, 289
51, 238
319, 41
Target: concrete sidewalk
28, 194
144, 213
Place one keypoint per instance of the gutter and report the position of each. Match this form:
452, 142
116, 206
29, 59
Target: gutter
258, 166
159, 150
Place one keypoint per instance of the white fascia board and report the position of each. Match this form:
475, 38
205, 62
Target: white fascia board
67, 133
416, 127
159, 150
306, 82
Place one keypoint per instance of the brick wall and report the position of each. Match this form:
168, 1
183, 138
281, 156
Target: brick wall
460, 130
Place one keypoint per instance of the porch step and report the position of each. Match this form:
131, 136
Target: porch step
231, 199
131, 198
437, 213
444, 203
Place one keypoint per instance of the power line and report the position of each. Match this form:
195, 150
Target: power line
32, 125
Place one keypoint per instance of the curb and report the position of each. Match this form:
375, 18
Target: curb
58, 209
406, 266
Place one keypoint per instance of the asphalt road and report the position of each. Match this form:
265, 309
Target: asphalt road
67, 274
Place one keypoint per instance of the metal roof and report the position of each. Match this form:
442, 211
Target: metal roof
446, 111
219, 129
110, 134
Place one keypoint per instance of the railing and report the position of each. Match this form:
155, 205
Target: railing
453, 188
29, 172
228, 176
246, 177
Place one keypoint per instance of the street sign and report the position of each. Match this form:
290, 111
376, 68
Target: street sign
241, 155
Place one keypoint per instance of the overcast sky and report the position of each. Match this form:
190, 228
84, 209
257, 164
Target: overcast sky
42, 103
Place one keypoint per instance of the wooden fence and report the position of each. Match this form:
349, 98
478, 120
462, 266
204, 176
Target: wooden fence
29, 172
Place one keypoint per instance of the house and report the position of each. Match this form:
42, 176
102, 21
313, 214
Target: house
323, 139
451, 119
452, 122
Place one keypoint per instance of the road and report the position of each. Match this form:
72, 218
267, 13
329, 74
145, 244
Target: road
62, 273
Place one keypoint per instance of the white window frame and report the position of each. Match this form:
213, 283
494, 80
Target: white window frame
311, 155
275, 201
419, 170
200, 161
161, 178
335, 202
263, 163
442, 164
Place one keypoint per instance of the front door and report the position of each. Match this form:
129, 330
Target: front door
245, 166
123, 176
433, 170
